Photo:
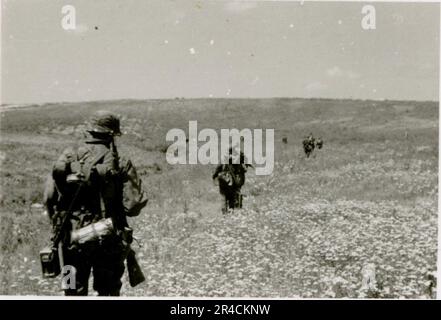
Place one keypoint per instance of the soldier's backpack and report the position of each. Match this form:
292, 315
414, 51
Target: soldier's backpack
225, 179
134, 199
78, 164
232, 177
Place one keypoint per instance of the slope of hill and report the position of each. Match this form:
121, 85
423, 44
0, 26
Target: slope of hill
368, 198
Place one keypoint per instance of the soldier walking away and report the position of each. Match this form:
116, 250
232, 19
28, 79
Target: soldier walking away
93, 192
319, 143
231, 178
308, 145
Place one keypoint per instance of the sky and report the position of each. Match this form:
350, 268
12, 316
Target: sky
142, 49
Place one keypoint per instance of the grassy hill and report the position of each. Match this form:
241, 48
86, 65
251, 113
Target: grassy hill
368, 197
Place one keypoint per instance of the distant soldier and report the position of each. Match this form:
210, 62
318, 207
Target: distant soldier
231, 178
311, 139
91, 193
319, 143
308, 145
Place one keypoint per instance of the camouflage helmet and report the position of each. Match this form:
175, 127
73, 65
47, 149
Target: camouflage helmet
105, 122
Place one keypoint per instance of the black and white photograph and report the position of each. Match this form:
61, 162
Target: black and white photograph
203, 149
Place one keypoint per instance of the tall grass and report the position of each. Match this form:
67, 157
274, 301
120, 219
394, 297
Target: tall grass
370, 196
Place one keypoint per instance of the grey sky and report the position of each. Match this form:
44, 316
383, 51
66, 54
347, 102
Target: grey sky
165, 49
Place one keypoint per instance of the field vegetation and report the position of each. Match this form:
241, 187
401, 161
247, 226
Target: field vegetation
368, 198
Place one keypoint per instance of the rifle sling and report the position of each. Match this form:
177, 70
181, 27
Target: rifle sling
57, 237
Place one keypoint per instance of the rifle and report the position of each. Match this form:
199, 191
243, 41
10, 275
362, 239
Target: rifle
136, 276
135, 273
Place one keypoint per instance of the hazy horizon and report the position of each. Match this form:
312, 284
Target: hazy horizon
213, 98
144, 50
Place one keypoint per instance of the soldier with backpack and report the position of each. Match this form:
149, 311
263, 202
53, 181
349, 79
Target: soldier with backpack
319, 143
93, 192
231, 178
308, 145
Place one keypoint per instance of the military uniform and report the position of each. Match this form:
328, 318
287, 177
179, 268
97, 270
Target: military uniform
231, 178
103, 196
309, 145
319, 143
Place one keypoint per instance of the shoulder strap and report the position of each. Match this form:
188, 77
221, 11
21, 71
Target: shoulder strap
87, 170
87, 173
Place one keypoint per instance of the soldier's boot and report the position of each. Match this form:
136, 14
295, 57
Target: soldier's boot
82, 291
109, 293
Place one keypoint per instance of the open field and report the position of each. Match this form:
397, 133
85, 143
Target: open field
368, 197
